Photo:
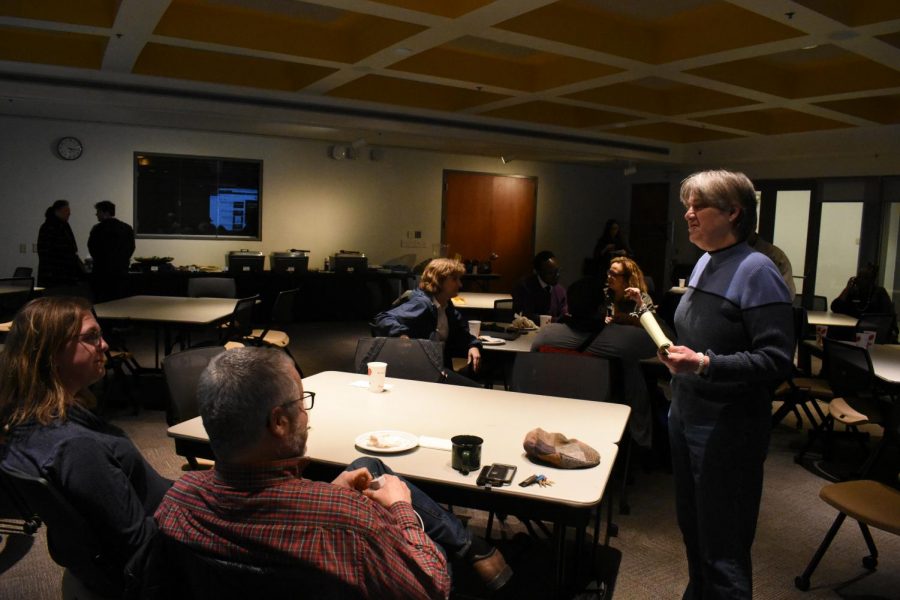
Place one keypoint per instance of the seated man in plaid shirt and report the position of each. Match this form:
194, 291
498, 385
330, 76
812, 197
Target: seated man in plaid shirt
255, 507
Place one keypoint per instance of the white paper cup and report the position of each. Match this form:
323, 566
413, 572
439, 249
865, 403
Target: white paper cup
866, 339
475, 328
681, 283
544, 320
377, 373
821, 334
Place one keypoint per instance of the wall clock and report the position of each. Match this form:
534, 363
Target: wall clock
69, 148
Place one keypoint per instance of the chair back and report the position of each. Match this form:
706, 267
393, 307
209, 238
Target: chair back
819, 303
241, 323
14, 294
420, 360
23, 272
182, 371
283, 309
503, 311
71, 541
203, 577
850, 371
880, 323
801, 325
211, 287
562, 374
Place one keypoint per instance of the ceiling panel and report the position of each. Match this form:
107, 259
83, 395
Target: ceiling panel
660, 97
674, 132
52, 47
402, 92
216, 67
444, 8
855, 12
773, 121
559, 114
320, 33
100, 13
880, 109
502, 65
801, 73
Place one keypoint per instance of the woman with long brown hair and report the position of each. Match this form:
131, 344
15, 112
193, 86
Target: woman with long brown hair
625, 282
53, 353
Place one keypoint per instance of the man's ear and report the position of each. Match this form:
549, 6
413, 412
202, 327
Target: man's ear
736, 212
279, 424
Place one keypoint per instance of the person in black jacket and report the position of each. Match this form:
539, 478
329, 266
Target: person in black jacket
111, 245
58, 262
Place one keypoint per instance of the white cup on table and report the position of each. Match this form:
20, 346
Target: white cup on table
544, 320
681, 282
475, 328
377, 373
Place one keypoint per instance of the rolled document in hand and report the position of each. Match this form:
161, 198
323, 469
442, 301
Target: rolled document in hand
648, 322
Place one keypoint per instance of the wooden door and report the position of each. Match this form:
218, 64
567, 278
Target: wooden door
491, 213
649, 230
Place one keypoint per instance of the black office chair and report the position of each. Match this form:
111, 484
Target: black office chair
419, 360
503, 311
182, 372
800, 391
71, 541
819, 303
193, 574
211, 287
23, 272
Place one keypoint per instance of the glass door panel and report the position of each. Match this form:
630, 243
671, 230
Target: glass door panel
839, 234
890, 255
791, 224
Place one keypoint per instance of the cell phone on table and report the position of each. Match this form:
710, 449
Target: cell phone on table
496, 475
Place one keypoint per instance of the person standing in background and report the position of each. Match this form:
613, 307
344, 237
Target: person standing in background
58, 262
735, 343
612, 243
111, 245
777, 256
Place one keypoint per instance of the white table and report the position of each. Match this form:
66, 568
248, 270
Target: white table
344, 411
167, 312
886, 362
478, 300
520, 344
830, 319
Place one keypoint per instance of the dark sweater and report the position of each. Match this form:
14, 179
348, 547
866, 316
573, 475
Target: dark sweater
98, 470
737, 310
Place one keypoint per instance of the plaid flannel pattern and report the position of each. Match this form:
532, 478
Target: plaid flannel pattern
268, 515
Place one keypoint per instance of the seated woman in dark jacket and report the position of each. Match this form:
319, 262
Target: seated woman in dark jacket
54, 351
429, 313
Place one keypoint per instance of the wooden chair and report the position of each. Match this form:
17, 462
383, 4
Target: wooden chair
872, 504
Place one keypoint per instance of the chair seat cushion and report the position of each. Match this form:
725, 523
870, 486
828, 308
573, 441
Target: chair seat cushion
233, 345
867, 501
846, 414
815, 387
273, 337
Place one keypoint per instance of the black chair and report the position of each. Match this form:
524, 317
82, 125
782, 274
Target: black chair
503, 311
801, 391
819, 303
192, 574
856, 401
282, 314
15, 292
23, 272
211, 287
71, 541
419, 360
564, 375
182, 371
881, 323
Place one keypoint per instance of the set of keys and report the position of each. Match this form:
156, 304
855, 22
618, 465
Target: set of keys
541, 480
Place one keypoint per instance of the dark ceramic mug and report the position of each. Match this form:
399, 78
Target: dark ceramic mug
466, 455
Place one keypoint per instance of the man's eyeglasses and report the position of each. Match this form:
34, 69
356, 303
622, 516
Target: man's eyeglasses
93, 338
307, 400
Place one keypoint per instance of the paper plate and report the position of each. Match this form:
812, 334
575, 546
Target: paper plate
491, 341
387, 441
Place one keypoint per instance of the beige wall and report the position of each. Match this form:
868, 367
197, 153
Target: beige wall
309, 200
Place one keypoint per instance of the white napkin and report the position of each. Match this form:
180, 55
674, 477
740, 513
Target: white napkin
436, 443
364, 383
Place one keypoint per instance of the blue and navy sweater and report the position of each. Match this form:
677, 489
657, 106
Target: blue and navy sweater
737, 310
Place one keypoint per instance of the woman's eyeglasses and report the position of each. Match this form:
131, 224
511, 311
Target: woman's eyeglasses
307, 400
92, 338
612, 273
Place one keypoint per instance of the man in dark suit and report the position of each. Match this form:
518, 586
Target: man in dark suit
540, 293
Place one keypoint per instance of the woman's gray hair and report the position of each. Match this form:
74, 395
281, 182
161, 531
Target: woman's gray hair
236, 393
724, 190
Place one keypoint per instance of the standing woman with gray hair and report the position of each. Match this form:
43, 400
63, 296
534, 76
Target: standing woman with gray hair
734, 327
